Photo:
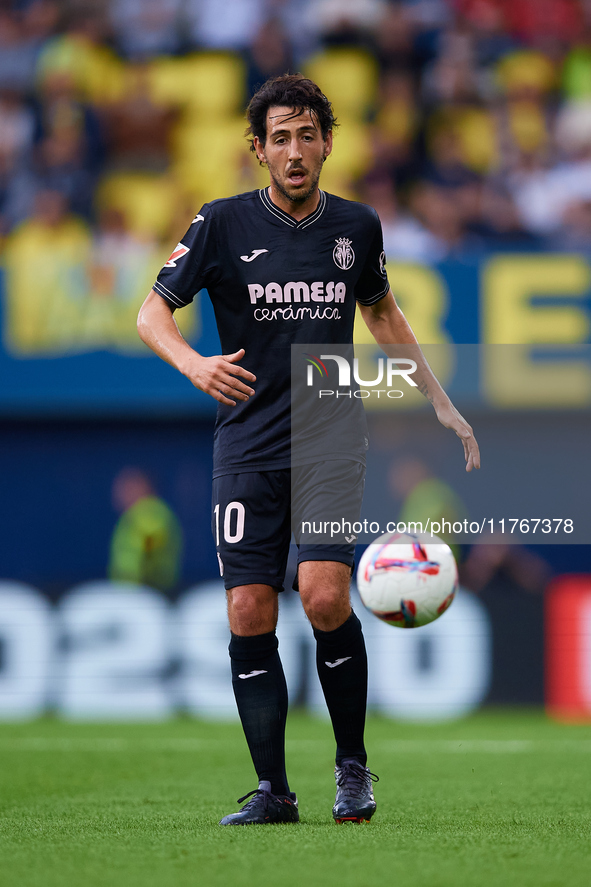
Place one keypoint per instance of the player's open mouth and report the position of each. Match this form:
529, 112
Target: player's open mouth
297, 176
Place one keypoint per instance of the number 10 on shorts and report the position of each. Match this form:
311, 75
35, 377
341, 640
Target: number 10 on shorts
233, 517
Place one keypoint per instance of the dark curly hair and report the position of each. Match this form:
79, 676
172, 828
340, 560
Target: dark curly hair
288, 91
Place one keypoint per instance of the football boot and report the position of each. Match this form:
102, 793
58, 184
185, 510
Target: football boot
354, 801
264, 808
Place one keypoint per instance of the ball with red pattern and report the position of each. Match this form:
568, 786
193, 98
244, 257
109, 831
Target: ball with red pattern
407, 580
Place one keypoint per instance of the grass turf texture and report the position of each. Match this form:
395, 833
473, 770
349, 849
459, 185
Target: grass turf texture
501, 798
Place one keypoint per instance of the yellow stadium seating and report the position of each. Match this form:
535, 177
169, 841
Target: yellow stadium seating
147, 200
209, 84
351, 154
95, 69
211, 158
349, 77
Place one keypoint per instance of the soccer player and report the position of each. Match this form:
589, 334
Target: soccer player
282, 266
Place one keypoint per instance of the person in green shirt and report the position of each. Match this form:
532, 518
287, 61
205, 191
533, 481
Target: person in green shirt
146, 546
426, 497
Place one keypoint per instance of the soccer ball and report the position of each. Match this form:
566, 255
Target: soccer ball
407, 580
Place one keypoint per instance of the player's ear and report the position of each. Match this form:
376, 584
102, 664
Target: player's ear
260, 150
328, 144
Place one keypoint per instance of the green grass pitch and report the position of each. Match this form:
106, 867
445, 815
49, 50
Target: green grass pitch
501, 798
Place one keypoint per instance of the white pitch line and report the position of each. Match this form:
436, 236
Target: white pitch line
454, 746
392, 746
491, 746
106, 745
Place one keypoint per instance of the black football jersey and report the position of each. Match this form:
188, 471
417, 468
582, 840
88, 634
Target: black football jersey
273, 282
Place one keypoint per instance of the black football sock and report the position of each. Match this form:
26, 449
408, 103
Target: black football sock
261, 696
342, 668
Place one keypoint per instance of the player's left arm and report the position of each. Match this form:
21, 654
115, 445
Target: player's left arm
389, 326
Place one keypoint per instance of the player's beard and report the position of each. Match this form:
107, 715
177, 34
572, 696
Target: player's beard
296, 195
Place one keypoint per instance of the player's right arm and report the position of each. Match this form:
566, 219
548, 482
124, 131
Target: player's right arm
219, 376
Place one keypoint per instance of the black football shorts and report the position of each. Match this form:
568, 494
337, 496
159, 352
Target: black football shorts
255, 513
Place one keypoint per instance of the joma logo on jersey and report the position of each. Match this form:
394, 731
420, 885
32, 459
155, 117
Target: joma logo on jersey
298, 292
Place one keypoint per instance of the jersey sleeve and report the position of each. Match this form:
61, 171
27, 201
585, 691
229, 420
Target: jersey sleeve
192, 264
373, 282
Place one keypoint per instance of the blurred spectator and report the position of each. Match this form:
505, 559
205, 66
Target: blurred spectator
536, 20
269, 55
441, 218
527, 180
394, 42
62, 113
575, 232
81, 55
58, 164
60, 167
576, 72
146, 547
526, 73
514, 563
500, 224
487, 21
404, 236
448, 170
119, 259
396, 120
67, 291
524, 126
51, 216
41, 19
544, 194
428, 14
18, 52
17, 192
460, 130
44, 258
343, 21
527, 79
452, 75
303, 38
529, 20
137, 130
69, 149
232, 25
17, 127
425, 497
146, 28
447, 166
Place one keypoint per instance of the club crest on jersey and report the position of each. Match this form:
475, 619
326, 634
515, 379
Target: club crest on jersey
343, 254
178, 252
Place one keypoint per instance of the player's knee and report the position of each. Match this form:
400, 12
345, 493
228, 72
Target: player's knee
326, 609
252, 609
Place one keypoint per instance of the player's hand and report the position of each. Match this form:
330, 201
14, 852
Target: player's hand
221, 377
451, 418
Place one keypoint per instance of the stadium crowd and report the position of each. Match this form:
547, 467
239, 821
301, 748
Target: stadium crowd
466, 123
